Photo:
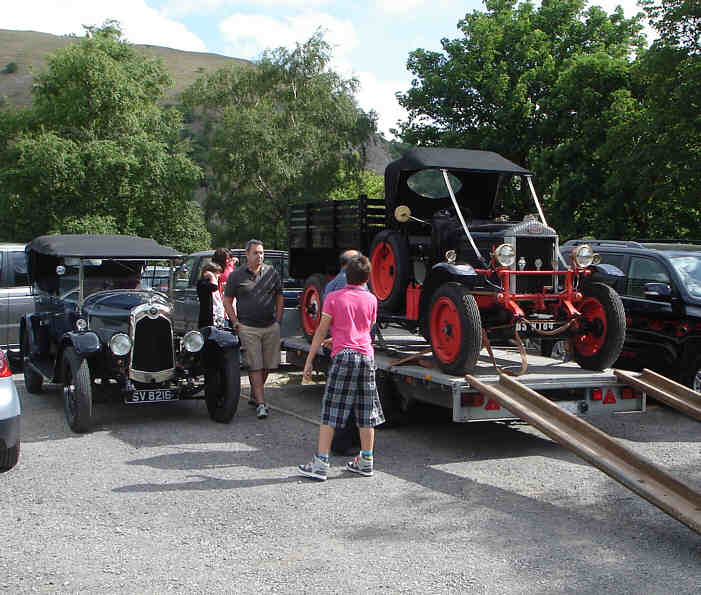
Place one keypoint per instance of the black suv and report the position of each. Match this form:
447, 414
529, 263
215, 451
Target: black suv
661, 294
96, 327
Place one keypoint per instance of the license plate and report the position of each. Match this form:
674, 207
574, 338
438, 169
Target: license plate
541, 325
151, 396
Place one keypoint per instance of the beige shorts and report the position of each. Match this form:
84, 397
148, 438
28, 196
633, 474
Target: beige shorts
261, 346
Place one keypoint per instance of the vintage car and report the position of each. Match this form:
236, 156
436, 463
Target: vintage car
448, 263
95, 328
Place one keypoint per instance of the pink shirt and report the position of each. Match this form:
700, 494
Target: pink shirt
225, 275
353, 311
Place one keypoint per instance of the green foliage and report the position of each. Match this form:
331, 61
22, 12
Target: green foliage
275, 133
10, 67
357, 183
97, 152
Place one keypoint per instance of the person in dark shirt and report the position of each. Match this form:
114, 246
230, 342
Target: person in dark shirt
207, 286
257, 288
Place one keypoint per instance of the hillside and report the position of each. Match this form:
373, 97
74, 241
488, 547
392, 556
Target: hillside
29, 51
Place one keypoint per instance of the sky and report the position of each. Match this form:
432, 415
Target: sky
371, 39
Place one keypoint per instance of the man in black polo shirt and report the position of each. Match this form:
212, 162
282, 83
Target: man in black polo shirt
257, 288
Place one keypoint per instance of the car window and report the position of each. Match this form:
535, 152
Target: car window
182, 274
613, 258
689, 269
642, 271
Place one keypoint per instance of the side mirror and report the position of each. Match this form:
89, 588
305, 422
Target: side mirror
658, 291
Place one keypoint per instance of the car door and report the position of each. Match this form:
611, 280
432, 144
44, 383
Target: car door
647, 334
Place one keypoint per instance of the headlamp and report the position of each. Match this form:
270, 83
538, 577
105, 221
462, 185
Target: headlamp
584, 256
505, 255
193, 341
120, 344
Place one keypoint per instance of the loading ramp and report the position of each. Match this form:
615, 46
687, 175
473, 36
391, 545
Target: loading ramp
666, 391
619, 462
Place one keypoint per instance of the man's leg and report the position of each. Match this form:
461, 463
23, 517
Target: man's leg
256, 378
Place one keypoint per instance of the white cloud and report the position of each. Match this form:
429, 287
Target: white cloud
398, 7
186, 7
250, 34
380, 96
139, 22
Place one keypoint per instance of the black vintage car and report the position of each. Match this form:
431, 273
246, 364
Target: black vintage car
97, 328
447, 261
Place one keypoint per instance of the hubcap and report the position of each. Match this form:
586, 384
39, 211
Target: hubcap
383, 270
445, 330
593, 326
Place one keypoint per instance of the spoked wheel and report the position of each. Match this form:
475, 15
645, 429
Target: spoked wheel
310, 304
602, 328
455, 329
222, 389
77, 391
389, 275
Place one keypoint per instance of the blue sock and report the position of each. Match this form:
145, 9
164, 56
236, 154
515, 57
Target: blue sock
323, 457
366, 453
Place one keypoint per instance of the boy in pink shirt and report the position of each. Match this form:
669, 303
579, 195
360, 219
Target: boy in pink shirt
350, 314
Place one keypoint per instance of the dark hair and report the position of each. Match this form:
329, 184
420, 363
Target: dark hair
221, 255
346, 256
250, 243
210, 267
358, 270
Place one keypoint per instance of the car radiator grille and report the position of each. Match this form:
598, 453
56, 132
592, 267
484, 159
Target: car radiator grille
153, 345
531, 249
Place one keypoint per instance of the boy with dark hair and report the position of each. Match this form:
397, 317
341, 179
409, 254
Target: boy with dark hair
350, 386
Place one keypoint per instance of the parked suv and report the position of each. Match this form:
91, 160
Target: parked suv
661, 294
96, 329
15, 296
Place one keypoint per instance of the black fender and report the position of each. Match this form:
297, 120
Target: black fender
222, 338
85, 344
37, 339
445, 272
604, 273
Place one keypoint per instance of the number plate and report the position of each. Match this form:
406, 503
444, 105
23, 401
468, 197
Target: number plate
151, 396
541, 325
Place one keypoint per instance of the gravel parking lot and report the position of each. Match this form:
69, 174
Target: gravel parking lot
161, 499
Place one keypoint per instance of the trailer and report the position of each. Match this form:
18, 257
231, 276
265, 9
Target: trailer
554, 396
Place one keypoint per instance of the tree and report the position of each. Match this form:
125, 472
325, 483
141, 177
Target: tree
275, 132
96, 150
531, 84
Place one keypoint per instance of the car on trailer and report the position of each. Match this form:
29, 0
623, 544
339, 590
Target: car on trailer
96, 329
450, 264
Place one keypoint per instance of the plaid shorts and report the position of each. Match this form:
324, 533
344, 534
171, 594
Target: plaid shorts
350, 386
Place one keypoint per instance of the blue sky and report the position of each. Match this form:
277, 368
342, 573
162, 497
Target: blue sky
371, 38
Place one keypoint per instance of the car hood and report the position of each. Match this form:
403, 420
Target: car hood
116, 304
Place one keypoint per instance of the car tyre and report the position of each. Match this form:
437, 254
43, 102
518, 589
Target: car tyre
77, 391
692, 378
33, 381
310, 304
599, 347
222, 390
389, 275
9, 458
455, 329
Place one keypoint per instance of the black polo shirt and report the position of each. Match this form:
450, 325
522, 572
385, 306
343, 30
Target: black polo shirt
255, 294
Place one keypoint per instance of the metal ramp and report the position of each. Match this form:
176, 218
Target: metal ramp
619, 462
665, 390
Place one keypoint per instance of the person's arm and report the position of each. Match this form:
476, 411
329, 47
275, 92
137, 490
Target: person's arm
229, 309
320, 334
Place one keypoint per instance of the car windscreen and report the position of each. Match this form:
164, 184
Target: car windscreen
689, 269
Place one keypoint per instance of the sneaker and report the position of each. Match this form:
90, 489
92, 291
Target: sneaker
361, 465
261, 411
316, 469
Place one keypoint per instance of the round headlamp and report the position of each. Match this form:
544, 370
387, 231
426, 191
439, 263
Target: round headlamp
505, 255
120, 344
584, 256
193, 341
81, 324
451, 256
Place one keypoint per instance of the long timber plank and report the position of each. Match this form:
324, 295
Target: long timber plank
619, 462
665, 390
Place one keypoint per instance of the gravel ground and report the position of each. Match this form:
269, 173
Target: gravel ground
160, 499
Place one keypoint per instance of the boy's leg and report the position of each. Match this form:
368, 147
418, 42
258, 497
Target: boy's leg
367, 438
325, 439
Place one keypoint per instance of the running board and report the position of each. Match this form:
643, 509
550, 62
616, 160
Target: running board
665, 390
619, 462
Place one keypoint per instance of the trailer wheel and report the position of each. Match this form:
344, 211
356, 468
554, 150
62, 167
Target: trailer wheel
603, 329
395, 407
389, 276
455, 328
77, 391
310, 304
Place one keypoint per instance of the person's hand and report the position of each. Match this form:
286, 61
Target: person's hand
307, 374
326, 343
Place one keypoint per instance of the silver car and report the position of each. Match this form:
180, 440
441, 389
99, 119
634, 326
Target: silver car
9, 417
15, 295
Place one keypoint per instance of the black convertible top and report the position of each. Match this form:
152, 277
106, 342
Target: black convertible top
101, 246
468, 160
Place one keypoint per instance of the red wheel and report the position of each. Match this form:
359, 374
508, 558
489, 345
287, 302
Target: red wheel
602, 328
455, 328
310, 304
389, 275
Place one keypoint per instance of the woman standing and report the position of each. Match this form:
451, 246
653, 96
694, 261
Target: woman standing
211, 306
